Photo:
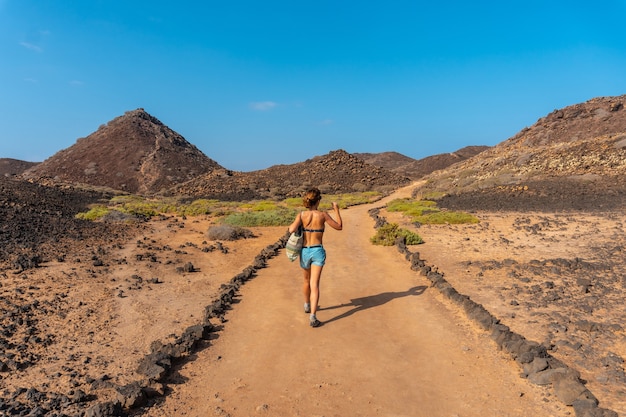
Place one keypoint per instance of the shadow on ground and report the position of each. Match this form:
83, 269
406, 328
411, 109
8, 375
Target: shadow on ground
364, 303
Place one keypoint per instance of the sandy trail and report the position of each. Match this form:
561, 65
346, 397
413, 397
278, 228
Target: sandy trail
389, 346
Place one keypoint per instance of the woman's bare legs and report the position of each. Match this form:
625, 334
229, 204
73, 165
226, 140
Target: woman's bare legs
311, 291
306, 290
315, 273
310, 286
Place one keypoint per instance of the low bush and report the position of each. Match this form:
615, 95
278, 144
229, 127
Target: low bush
279, 217
199, 207
139, 206
228, 232
264, 205
387, 235
411, 207
94, 213
427, 212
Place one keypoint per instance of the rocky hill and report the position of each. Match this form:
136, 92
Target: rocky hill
11, 167
335, 172
135, 153
573, 157
416, 169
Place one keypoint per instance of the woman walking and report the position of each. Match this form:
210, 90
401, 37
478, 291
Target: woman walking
313, 256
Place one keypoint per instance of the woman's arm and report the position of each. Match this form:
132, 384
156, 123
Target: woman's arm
335, 224
297, 222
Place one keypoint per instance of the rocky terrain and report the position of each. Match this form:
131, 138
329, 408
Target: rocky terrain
65, 283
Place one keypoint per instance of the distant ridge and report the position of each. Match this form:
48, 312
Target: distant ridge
11, 167
335, 172
416, 169
135, 153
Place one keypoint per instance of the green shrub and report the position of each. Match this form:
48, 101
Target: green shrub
199, 207
412, 207
139, 206
94, 213
387, 235
278, 217
264, 205
142, 208
410, 238
293, 202
427, 212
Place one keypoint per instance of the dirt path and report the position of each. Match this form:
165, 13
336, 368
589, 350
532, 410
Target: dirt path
389, 346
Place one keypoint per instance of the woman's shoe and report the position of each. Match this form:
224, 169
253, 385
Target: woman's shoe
315, 322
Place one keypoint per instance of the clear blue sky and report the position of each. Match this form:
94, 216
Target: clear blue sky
258, 83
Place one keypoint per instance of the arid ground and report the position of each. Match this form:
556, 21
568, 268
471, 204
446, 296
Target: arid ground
76, 328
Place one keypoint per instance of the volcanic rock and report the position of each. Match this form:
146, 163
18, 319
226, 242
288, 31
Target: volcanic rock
38, 222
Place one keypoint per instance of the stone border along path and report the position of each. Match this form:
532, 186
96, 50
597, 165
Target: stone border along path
537, 364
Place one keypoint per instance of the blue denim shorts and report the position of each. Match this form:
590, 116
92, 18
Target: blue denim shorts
315, 255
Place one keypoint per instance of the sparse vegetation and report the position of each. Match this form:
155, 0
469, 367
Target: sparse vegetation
140, 206
281, 216
241, 214
264, 205
412, 207
427, 212
201, 206
94, 213
387, 235
143, 207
